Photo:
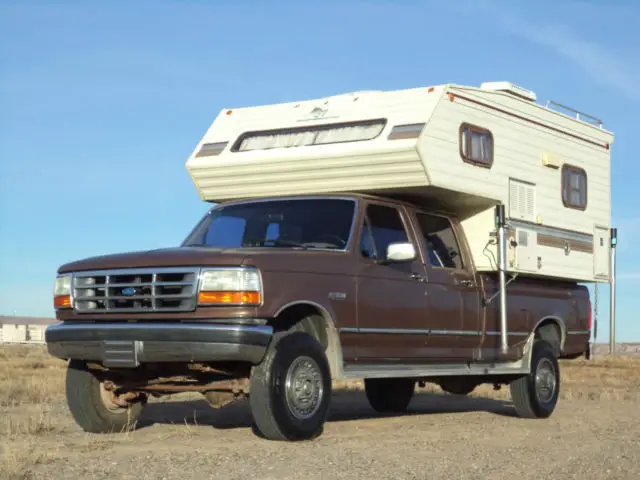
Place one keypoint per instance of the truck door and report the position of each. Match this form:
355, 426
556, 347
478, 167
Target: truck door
454, 309
392, 297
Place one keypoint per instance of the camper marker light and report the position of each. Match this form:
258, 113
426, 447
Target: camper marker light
230, 286
62, 292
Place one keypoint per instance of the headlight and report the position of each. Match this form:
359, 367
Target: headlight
62, 292
230, 286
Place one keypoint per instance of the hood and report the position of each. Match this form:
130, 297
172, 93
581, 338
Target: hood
267, 259
165, 257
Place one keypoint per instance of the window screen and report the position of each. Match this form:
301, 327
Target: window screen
312, 135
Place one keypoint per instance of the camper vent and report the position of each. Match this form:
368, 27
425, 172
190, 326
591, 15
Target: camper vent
508, 87
522, 200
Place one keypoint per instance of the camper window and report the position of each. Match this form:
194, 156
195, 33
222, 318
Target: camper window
574, 187
442, 246
476, 145
310, 135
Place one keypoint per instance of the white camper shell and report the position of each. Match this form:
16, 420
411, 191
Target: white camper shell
454, 148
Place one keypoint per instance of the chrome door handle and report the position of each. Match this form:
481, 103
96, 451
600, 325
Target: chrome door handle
416, 276
465, 283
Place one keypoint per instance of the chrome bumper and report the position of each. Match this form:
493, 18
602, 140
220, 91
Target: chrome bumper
127, 345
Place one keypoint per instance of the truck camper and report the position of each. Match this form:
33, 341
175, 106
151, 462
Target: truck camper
438, 234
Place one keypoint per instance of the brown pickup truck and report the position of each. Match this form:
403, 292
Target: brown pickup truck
272, 298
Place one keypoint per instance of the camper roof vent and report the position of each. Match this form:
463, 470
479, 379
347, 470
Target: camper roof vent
509, 87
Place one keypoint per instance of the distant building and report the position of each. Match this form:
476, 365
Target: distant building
14, 329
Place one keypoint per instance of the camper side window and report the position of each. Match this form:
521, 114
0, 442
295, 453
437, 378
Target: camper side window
442, 246
476, 145
382, 226
574, 187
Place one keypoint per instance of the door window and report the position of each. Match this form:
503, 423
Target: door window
382, 226
442, 246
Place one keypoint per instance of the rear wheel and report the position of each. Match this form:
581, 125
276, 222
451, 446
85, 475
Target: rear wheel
291, 389
536, 395
93, 407
389, 394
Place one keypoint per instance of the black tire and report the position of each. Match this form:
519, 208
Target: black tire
456, 386
278, 413
389, 395
88, 407
533, 399
549, 333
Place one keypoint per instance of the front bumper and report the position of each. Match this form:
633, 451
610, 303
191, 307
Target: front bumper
127, 345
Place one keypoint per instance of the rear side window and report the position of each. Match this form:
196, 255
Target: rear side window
442, 246
382, 226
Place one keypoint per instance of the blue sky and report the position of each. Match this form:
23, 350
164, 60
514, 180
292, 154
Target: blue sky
101, 104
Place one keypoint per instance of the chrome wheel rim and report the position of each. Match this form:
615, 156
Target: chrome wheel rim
303, 387
545, 381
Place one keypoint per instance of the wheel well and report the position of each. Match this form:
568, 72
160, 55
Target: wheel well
551, 331
304, 317
316, 321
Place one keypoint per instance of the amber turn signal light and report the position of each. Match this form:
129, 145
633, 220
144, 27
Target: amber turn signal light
229, 298
62, 301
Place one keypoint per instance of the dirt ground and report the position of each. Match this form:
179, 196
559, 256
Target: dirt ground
593, 434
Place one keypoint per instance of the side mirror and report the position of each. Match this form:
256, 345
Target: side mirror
400, 252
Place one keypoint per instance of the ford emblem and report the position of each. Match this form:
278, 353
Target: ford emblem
128, 291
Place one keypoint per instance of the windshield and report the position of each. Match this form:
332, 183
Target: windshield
300, 223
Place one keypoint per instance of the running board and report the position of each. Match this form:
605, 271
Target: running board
520, 367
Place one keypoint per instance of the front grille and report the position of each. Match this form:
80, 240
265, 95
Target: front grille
139, 290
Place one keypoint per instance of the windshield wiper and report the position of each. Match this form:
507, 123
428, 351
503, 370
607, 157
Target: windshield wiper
282, 243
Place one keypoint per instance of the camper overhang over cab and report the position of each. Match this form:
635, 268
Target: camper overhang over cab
452, 148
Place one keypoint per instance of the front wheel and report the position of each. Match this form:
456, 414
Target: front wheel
91, 405
290, 391
536, 395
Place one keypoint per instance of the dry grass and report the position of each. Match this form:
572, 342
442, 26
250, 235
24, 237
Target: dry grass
29, 375
19, 458
32, 400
